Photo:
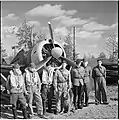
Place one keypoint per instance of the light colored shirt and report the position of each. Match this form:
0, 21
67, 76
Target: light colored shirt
47, 76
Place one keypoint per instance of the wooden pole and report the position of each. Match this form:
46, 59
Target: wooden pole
74, 44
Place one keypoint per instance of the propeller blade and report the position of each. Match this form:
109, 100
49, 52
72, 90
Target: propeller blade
42, 63
51, 33
71, 63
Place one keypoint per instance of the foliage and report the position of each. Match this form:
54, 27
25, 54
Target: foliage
26, 35
102, 55
2, 50
112, 45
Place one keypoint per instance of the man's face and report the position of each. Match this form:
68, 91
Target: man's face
85, 63
79, 64
31, 69
16, 70
99, 63
64, 65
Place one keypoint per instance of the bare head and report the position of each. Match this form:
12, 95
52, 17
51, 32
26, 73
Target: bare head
99, 62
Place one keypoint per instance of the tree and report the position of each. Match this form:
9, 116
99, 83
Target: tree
102, 55
3, 50
112, 45
26, 35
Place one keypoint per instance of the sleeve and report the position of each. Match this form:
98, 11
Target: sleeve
55, 80
70, 84
72, 75
24, 85
8, 83
38, 81
93, 73
44, 76
104, 72
90, 72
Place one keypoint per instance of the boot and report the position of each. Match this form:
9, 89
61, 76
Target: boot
24, 113
14, 113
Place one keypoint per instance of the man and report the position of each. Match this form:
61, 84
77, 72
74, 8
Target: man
16, 87
99, 76
62, 84
87, 77
47, 86
33, 86
78, 84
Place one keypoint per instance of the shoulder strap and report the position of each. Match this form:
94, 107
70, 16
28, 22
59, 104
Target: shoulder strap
101, 72
80, 74
62, 74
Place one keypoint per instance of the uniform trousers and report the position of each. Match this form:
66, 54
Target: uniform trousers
47, 95
78, 95
100, 89
34, 94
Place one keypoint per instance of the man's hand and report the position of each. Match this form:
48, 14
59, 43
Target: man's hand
26, 93
55, 92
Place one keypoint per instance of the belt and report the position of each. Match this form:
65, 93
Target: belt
99, 76
77, 78
62, 81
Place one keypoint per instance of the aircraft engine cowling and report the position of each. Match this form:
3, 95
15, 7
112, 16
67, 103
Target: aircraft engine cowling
43, 50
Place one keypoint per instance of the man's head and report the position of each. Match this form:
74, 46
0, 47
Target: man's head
78, 62
99, 62
16, 68
85, 62
32, 66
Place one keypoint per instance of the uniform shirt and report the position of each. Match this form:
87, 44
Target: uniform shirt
77, 75
47, 76
16, 83
97, 73
87, 74
62, 79
32, 78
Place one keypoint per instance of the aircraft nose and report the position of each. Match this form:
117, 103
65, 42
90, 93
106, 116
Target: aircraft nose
56, 52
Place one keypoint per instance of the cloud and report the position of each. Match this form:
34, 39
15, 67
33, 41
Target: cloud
8, 31
11, 16
62, 31
92, 46
36, 23
48, 10
69, 21
95, 26
86, 34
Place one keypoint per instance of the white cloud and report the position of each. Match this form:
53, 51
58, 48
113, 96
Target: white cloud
95, 26
11, 16
86, 34
62, 31
92, 46
48, 10
69, 21
36, 23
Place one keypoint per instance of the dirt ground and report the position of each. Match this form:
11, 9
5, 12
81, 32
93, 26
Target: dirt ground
91, 112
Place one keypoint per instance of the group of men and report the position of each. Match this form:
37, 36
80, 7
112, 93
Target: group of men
71, 87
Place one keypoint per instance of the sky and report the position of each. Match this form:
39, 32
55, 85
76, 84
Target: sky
93, 21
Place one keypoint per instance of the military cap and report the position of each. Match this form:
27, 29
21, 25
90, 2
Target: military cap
78, 61
85, 59
99, 59
16, 66
32, 65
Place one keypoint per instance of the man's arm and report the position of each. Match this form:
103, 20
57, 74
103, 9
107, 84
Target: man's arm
93, 73
38, 81
90, 72
104, 72
55, 80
